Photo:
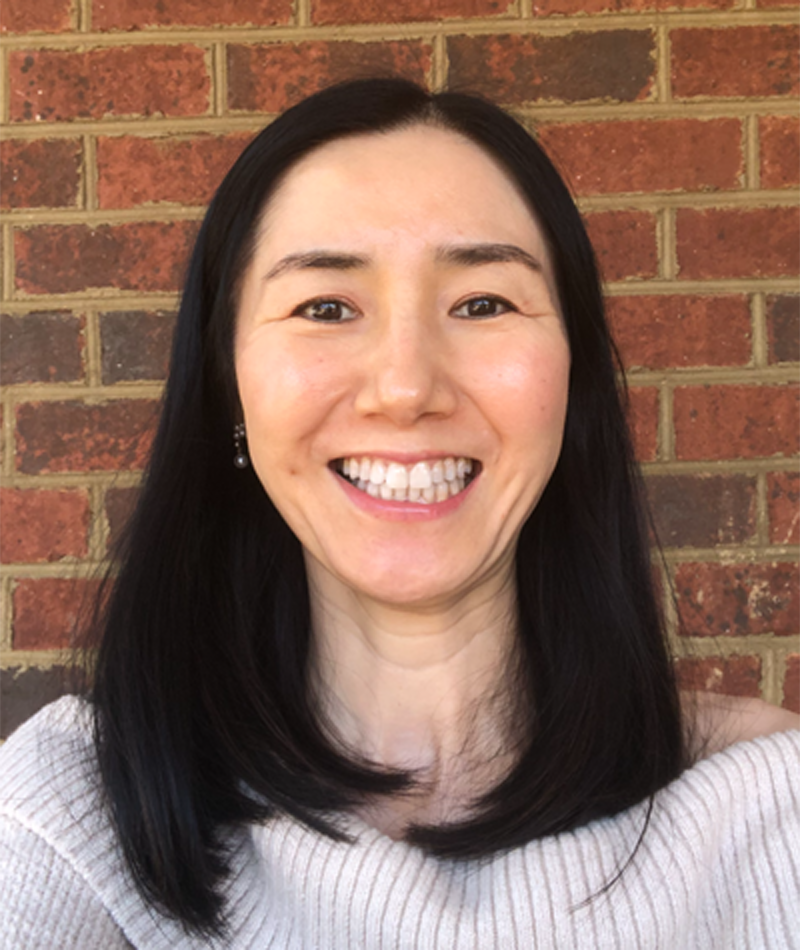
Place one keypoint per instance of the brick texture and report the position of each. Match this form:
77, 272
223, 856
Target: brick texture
779, 140
23, 512
702, 511
738, 600
658, 332
608, 157
738, 61
79, 437
728, 422
41, 348
377, 11
44, 16
134, 171
42, 173
47, 611
791, 683
734, 242
58, 85
143, 14
146, 256
578, 7
118, 507
734, 675
625, 243
135, 344
268, 78
614, 65
643, 420
783, 505
783, 325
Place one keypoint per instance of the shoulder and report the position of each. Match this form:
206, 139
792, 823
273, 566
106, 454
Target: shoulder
714, 721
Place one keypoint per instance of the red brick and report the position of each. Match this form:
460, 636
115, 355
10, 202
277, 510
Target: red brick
578, 7
703, 510
738, 599
44, 16
731, 675
624, 242
791, 683
378, 11
76, 437
783, 326
56, 85
134, 171
607, 157
643, 420
776, 3
270, 77
41, 348
660, 332
43, 524
738, 61
783, 504
135, 344
119, 505
48, 611
144, 256
142, 14
728, 422
42, 173
614, 65
733, 242
779, 141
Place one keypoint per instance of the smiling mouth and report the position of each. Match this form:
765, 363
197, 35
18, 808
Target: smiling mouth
423, 482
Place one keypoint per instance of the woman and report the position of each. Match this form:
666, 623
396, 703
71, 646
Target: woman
383, 665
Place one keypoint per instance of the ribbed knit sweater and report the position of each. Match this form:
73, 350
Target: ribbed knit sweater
718, 867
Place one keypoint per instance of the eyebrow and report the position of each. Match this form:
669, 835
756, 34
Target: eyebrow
469, 255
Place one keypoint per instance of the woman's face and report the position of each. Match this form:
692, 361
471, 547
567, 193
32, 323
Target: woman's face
402, 364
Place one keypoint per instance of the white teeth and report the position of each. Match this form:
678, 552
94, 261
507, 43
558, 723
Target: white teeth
401, 494
437, 473
414, 494
449, 469
397, 476
420, 476
373, 489
429, 494
386, 492
364, 470
442, 491
425, 482
377, 474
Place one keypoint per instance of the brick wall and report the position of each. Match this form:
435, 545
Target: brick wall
676, 123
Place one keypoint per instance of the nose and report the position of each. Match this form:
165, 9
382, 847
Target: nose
407, 376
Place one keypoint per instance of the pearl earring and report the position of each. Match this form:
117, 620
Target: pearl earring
240, 460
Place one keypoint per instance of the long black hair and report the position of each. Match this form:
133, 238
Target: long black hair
204, 717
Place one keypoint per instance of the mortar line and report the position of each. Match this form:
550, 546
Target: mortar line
6, 619
668, 255
9, 446
8, 262
762, 513
219, 76
751, 149
758, 315
526, 9
5, 89
439, 64
84, 10
302, 13
97, 527
663, 84
94, 356
90, 173
769, 682
666, 425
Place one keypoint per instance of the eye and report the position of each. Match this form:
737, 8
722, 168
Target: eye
325, 310
482, 307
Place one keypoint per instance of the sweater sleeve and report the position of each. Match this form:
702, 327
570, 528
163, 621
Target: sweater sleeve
46, 902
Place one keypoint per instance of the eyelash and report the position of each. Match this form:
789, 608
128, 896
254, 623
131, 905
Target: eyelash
304, 310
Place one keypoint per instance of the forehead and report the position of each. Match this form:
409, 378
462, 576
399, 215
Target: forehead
421, 182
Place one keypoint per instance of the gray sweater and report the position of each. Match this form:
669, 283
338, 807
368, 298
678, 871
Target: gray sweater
719, 867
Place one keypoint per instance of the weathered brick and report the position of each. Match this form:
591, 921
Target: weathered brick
783, 505
578, 7
44, 16
643, 420
56, 85
134, 170
738, 242
378, 11
41, 173
607, 157
738, 599
135, 344
702, 510
737, 61
791, 683
43, 524
616, 65
23, 692
41, 348
49, 611
270, 77
779, 141
144, 256
731, 675
142, 14
728, 422
659, 332
76, 437
118, 506
783, 326
624, 242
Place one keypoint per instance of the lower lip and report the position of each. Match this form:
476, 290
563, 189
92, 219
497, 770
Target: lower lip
404, 510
